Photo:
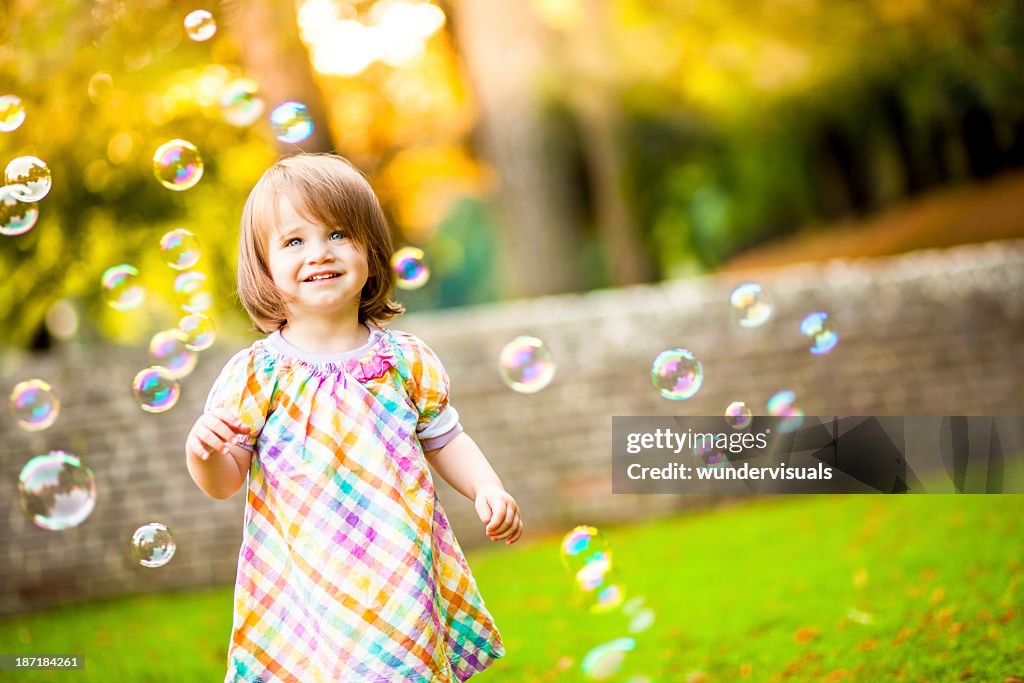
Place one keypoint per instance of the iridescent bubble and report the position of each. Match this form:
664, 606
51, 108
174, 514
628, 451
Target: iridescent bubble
16, 217
56, 490
200, 25
607, 598
291, 122
239, 103
640, 616
583, 545
29, 178
605, 660
34, 405
12, 113
410, 266
155, 389
526, 365
818, 328
707, 454
594, 571
168, 349
677, 374
179, 249
192, 293
153, 545
177, 165
750, 305
783, 404
199, 331
121, 287
738, 415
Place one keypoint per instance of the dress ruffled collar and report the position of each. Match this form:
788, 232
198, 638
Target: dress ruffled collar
368, 362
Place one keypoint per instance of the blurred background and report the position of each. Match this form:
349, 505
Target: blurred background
599, 174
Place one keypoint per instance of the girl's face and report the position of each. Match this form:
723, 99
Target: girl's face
319, 269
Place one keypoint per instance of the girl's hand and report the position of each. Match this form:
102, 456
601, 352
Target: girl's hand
500, 514
214, 432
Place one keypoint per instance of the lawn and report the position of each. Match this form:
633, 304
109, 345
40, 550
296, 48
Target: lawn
857, 588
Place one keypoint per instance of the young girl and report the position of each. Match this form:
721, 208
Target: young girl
348, 569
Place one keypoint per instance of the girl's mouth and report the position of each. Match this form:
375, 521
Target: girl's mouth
322, 276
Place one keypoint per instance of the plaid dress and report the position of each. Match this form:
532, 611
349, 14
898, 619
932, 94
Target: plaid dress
348, 569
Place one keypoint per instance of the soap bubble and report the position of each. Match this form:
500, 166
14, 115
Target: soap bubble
153, 545
750, 305
239, 104
199, 331
56, 490
410, 266
783, 404
192, 293
605, 660
177, 165
179, 249
29, 178
291, 122
121, 287
677, 374
168, 349
200, 25
738, 415
156, 389
818, 328
12, 113
34, 405
583, 545
640, 616
526, 365
16, 216
607, 598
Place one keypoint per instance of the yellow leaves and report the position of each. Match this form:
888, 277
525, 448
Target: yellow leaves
805, 634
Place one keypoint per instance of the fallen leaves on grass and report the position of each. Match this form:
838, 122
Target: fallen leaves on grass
805, 634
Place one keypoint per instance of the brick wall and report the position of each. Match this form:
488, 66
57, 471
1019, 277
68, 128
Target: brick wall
927, 333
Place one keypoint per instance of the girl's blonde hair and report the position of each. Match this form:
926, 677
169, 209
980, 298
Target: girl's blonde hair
328, 189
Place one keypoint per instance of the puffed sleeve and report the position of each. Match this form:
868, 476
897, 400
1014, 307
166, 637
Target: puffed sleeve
245, 388
427, 383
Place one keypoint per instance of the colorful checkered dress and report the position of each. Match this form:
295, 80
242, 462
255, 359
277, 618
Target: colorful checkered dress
348, 569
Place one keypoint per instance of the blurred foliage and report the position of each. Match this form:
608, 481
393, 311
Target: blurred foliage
740, 122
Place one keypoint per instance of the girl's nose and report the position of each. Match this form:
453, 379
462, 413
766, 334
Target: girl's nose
319, 252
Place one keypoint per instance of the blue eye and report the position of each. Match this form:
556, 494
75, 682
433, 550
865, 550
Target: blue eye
337, 235
295, 241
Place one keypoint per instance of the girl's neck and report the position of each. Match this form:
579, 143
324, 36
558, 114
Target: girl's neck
316, 335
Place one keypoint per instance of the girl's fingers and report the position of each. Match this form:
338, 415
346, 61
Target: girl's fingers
498, 511
222, 429
209, 439
511, 512
231, 420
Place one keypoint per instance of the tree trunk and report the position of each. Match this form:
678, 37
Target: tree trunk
502, 46
273, 54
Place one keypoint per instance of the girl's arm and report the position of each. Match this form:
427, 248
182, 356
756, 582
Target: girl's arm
217, 465
462, 464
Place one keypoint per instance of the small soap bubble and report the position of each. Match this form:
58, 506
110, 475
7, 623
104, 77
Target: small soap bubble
179, 249
29, 178
121, 287
62, 320
783, 404
291, 122
198, 330
817, 327
16, 217
707, 454
750, 305
12, 113
410, 266
200, 25
605, 660
155, 389
192, 293
640, 616
607, 598
239, 103
34, 405
177, 165
56, 490
101, 85
526, 365
168, 349
153, 545
582, 545
738, 415
677, 374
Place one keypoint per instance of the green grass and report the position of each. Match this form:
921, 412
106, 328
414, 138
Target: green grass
760, 592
